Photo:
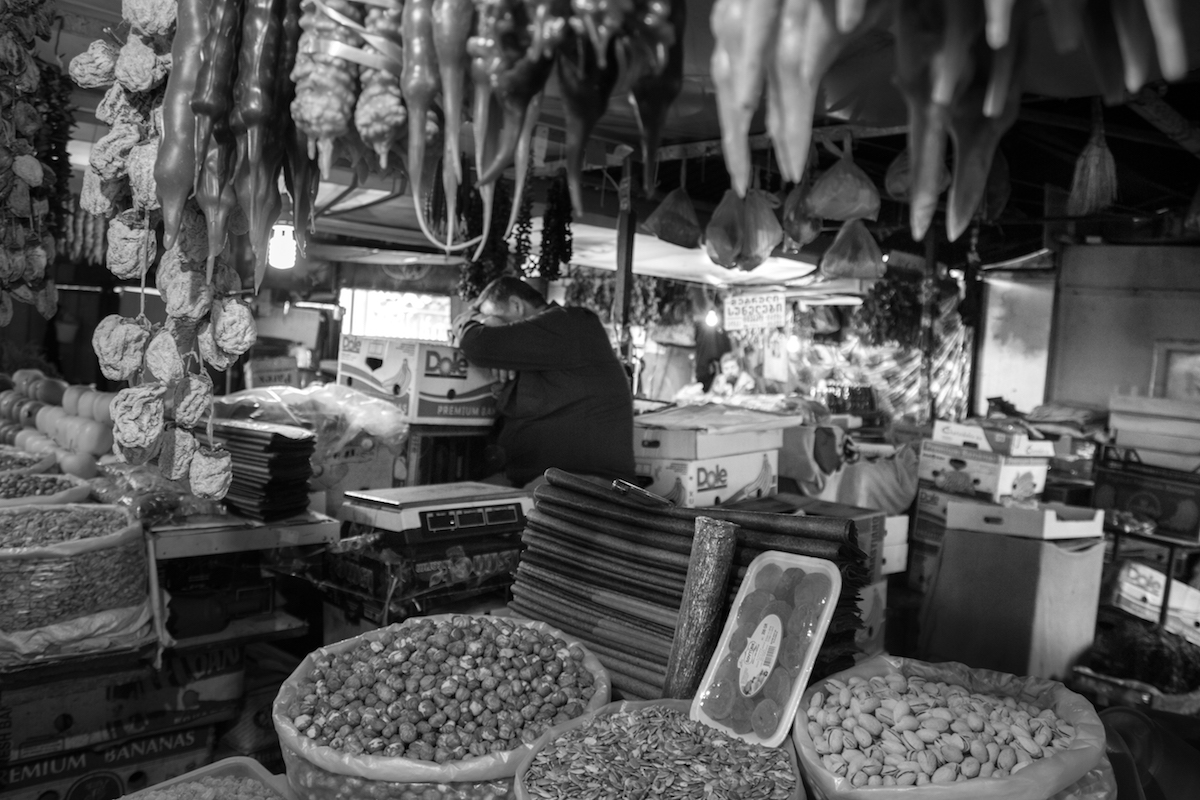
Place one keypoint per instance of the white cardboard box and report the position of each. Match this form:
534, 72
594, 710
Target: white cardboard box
1049, 521
895, 530
990, 440
872, 605
927, 530
712, 481
431, 382
689, 445
932, 502
895, 558
966, 471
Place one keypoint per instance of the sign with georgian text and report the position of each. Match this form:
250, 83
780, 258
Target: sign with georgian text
751, 311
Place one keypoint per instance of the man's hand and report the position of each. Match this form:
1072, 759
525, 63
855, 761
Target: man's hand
470, 316
504, 375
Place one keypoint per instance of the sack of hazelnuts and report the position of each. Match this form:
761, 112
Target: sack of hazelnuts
447, 702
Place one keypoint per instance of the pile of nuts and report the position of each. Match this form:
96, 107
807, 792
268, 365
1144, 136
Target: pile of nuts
898, 731
17, 460
213, 788
14, 485
46, 525
442, 690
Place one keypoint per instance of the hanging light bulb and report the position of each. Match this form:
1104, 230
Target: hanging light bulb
793, 344
712, 318
281, 252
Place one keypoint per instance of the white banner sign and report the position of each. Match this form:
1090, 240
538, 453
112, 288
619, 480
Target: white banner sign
748, 311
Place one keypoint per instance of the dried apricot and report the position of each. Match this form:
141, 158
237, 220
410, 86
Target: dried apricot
813, 590
786, 588
752, 605
765, 718
768, 578
779, 685
740, 717
779, 609
792, 651
803, 621
719, 699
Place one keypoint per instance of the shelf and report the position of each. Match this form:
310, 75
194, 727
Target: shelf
267, 627
231, 534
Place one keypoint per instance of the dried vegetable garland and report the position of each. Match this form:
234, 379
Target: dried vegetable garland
143, 172
32, 158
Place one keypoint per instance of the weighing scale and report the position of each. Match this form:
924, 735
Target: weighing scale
416, 515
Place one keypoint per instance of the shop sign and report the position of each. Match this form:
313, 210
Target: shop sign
749, 311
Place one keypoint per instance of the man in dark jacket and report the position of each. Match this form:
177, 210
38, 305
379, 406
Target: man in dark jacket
565, 400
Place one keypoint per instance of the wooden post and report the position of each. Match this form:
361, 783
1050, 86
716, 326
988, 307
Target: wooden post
626, 228
700, 618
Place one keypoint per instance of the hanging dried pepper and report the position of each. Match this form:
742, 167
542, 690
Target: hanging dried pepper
420, 84
379, 115
256, 179
326, 81
175, 167
659, 37
452, 24
213, 96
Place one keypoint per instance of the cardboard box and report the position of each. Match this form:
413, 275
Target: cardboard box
1139, 591
281, 371
111, 772
692, 445
872, 605
362, 464
1170, 498
193, 688
966, 471
927, 530
922, 565
1016, 605
895, 558
896, 530
712, 481
870, 526
932, 502
431, 382
990, 440
1048, 521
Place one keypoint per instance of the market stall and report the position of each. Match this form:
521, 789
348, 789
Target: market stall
246, 550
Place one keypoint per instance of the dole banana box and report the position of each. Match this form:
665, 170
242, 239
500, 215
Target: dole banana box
970, 472
431, 382
712, 481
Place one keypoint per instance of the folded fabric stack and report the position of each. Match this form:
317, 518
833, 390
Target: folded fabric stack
611, 569
271, 467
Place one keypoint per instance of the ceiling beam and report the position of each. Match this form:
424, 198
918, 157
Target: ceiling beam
1080, 124
834, 133
1150, 106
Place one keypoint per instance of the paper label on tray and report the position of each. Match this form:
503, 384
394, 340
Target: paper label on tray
758, 659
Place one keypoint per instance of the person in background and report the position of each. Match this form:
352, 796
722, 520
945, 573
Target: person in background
732, 379
565, 399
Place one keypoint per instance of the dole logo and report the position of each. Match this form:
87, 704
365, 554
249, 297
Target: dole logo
709, 479
440, 366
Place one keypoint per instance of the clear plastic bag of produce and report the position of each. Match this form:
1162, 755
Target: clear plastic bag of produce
853, 254
682, 706
149, 496
761, 232
320, 772
1062, 776
844, 191
724, 236
675, 221
799, 226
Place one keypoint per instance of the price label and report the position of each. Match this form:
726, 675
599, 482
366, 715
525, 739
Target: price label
750, 311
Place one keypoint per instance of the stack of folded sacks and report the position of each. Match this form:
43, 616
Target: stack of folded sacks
610, 570
271, 468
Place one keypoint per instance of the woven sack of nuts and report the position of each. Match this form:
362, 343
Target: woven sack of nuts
63, 562
1024, 738
353, 761
683, 758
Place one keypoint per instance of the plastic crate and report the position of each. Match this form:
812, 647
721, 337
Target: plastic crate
233, 767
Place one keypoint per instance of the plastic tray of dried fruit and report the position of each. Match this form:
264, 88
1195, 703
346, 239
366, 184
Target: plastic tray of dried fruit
232, 767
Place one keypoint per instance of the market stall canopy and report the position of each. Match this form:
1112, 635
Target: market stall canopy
858, 89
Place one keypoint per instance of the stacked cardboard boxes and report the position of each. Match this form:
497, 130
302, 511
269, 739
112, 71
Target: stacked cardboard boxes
115, 733
705, 465
974, 465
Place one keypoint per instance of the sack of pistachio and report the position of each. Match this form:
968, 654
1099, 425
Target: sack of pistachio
432, 707
895, 727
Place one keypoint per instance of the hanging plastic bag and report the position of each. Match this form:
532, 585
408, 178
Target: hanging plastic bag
675, 220
724, 235
844, 191
762, 232
898, 180
799, 226
853, 254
